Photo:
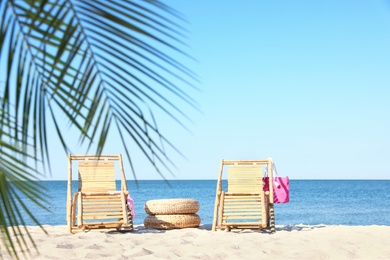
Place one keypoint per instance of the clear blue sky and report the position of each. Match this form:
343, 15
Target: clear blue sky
304, 82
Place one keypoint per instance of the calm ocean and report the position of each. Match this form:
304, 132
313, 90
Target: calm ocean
331, 202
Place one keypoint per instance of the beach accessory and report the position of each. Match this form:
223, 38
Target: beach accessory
171, 206
172, 221
281, 187
172, 213
130, 205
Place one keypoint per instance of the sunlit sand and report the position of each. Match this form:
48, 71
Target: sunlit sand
289, 242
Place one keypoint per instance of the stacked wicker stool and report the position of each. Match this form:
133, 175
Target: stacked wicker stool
172, 213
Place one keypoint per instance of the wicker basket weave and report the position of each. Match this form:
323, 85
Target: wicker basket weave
171, 206
172, 221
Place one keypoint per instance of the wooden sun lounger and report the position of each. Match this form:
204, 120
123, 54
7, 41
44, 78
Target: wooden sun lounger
243, 203
97, 204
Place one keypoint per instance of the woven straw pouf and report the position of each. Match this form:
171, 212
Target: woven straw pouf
171, 206
172, 213
172, 221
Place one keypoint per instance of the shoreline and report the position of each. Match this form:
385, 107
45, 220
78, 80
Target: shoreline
288, 242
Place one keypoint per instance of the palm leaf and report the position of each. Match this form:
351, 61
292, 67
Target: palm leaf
98, 64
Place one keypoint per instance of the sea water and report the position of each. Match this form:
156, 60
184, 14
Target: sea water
330, 202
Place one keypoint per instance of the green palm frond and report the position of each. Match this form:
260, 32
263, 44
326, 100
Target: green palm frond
18, 186
99, 65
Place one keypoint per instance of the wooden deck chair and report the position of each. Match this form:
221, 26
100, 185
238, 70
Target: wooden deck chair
243, 204
97, 204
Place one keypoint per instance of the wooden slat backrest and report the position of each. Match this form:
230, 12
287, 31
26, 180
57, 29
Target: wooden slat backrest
243, 208
96, 176
244, 200
245, 179
102, 208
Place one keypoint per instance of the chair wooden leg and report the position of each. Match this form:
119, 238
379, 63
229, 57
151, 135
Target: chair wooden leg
80, 210
272, 218
73, 210
221, 206
216, 210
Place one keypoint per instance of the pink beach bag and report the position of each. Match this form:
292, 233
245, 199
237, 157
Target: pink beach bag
130, 205
281, 187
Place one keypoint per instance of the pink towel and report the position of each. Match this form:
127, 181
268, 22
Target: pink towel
130, 205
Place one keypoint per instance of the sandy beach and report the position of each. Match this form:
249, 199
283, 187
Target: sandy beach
289, 242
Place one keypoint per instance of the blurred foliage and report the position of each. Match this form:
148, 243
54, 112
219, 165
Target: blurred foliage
95, 65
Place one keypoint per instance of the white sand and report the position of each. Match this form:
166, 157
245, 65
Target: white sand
289, 242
